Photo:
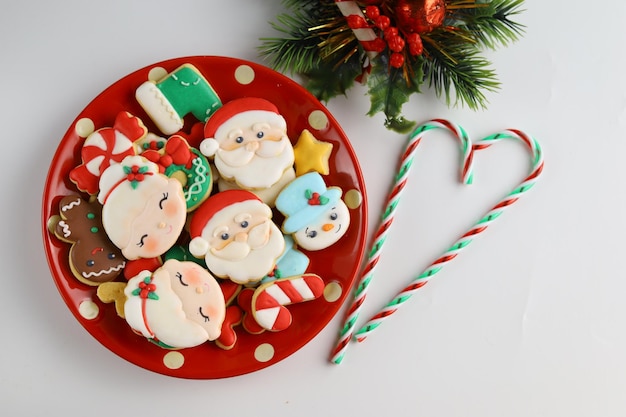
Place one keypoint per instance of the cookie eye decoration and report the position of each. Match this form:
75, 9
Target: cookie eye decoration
311, 233
239, 139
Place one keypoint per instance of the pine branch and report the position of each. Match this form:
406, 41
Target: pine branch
458, 69
298, 51
490, 23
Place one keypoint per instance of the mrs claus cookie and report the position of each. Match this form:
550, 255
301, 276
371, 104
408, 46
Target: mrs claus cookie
180, 305
143, 210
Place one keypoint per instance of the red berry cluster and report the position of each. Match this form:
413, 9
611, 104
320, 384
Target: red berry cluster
393, 38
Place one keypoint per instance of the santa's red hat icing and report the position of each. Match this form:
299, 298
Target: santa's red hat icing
235, 113
211, 212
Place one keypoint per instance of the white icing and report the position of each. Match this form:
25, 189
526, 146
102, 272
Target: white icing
303, 288
163, 319
248, 256
66, 228
104, 271
93, 166
255, 163
327, 231
71, 205
132, 216
158, 108
258, 172
122, 143
267, 195
199, 293
267, 317
278, 294
200, 171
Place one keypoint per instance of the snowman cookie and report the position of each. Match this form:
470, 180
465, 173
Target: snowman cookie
316, 216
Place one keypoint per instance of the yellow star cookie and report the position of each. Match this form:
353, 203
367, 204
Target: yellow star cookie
311, 154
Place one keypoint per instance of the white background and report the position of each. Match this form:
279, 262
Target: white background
530, 320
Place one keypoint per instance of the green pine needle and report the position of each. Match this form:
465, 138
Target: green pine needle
314, 41
459, 70
490, 23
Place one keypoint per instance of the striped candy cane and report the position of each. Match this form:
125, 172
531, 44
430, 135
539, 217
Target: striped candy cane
406, 161
356, 20
467, 238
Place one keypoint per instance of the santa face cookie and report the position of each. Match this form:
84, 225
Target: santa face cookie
234, 232
248, 139
143, 211
180, 305
315, 215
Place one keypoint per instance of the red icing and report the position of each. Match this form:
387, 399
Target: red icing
244, 300
133, 268
126, 124
228, 337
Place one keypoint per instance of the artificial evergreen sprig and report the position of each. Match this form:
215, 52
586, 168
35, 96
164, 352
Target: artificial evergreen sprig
317, 42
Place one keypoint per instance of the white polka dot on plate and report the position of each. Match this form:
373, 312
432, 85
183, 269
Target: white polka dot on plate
84, 127
353, 198
156, 74
318, 120
173, 359
88, 309
264, 352
332, 291
244, 74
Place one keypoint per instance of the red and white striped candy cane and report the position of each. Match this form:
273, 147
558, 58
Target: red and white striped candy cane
362, 31
270, 299
467, 238
406, 162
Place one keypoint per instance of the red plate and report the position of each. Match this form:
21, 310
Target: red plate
337, 265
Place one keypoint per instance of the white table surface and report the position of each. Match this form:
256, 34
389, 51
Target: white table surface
529, 321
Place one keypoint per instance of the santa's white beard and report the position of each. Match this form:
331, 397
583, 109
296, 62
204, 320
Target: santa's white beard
254, 266
256, 170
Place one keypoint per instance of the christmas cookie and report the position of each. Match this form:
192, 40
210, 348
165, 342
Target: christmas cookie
106, 146
143, 211
311, 155
315, 215
248, 140
234, 232
178, 160
291, 263
180, 305
169, 99
93, 258
267, 195
269, 300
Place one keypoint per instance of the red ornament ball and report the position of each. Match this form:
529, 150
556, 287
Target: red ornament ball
420, 16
